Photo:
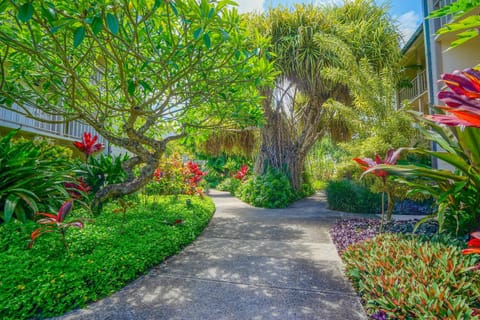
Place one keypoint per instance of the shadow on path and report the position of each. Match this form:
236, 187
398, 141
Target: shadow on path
249, 263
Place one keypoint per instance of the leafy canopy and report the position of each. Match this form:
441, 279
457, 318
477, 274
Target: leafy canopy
141, 72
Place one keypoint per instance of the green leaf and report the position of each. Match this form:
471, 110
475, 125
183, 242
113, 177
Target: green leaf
464, 37
25, 12
78, 36
49, 13
206, 40
131, 87
112, 23
174, 8
197, 33
10, 205
145, 85
211, 13
97, 25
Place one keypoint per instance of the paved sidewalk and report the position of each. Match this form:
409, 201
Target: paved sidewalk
249, 263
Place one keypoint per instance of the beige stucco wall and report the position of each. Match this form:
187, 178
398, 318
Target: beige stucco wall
464, 56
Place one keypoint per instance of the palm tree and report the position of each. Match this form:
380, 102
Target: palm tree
326, 58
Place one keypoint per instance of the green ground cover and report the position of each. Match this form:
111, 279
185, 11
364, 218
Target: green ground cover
107, 254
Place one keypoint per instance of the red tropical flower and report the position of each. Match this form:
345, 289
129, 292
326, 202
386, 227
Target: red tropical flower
157, 174
473, 246
242, 173
462, 98
390, 159
89, 144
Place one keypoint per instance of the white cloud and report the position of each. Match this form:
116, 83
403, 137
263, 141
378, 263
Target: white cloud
407, 24
250, 5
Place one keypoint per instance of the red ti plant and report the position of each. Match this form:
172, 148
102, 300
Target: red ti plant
462, 98
473, 247
242, 173
88, 145
369, 166
78, 188
55, 223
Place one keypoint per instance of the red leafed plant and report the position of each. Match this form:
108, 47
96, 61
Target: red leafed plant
369, 166
78, 188
462, 98
88, 145
55, 223
242, 173
473, 247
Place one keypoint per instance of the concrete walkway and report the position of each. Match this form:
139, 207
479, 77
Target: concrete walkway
248, 264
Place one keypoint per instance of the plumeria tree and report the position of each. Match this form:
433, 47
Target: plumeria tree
141, 72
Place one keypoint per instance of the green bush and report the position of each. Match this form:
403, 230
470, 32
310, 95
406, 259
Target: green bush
230, 184
103, 170
414, 278
348, 196
31, 180
271, 190
103, 257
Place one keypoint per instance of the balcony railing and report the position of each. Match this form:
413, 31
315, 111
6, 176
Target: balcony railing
417, 87
72, 130
438, 4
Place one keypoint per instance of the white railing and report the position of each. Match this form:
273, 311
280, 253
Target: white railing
72, 130
417, 87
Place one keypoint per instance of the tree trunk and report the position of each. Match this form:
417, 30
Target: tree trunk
286, 141
133, 183
281, 151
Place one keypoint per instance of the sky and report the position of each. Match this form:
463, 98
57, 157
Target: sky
407, 13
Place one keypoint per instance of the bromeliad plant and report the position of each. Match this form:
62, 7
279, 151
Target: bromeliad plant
456, 192
242, 173
30, 180
371, 166
55, 223
88, 145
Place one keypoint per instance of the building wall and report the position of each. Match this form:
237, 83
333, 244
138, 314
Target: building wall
462, 57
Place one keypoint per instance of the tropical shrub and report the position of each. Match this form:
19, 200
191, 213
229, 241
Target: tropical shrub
30, 180
271, 190
55, 223
48, 281
230, 184
175, 177
408, 277
103, 170
456, 192
390, 159
350, 196
223, 167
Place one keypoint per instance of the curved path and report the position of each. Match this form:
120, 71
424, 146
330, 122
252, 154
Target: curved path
249, 263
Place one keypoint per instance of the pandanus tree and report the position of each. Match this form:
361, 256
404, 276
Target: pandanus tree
141, 72
326, 58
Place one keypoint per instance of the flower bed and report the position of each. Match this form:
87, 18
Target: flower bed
103, 257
